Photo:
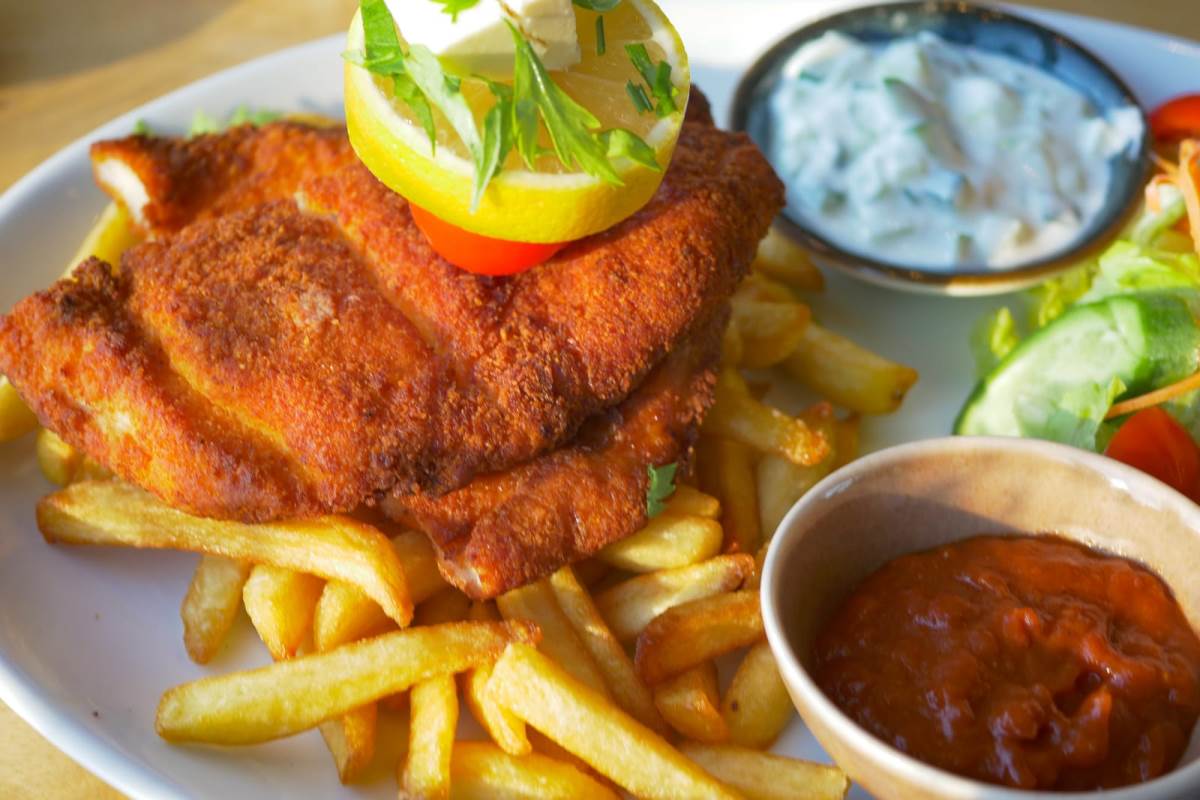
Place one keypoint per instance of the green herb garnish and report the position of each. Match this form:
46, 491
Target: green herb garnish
142, 128
456, 7
657, 77
662, 486
420, 82
202, 123
243, 115
638, 95
599, 6
601, 45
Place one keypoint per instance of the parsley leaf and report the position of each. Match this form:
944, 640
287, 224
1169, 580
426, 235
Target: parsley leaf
569, 124
498, 136
597, 5
662, 486
657, 77
202, 123
621, 143
456, 7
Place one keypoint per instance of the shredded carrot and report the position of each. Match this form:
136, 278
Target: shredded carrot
1189, 184
1157, 397
1153, 203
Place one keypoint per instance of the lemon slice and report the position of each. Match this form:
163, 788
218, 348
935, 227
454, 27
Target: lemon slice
548, 203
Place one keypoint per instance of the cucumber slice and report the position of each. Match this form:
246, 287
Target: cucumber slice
1059, 383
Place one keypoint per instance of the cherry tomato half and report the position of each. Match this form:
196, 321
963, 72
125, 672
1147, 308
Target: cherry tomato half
482, 255
1155, 443
1176, 119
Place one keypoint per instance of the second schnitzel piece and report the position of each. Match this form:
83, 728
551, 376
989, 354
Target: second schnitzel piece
287, 344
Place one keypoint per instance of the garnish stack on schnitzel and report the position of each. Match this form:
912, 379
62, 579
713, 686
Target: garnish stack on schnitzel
287, 343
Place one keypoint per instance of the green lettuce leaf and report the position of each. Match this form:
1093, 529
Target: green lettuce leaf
993, 338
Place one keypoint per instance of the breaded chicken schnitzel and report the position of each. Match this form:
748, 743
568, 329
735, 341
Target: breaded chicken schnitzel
287, 344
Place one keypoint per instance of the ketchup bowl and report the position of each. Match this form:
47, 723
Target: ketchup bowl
936, 493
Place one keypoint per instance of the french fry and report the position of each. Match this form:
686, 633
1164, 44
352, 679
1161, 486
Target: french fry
667, 541
345, 614
690, 703
731, 347
781, 483
292, 696
506, 729
333, 548
536, 602
769, 331
762, 776
591, 571
448, 605
280, 603
57, 459
738, 416
481, 771
607, 653
756, 707
755, 578
583, 722
695, 632
629, 607
688, 501
846, 434
726, 470
351, 740
425, 771
16, 419
848, 374
211, 605
780, 258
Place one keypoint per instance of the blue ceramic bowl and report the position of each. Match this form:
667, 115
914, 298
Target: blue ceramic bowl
994, 31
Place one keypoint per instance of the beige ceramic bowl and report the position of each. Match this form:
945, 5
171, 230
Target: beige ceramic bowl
918, 496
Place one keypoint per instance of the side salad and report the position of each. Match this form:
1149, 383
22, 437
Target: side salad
1107, 356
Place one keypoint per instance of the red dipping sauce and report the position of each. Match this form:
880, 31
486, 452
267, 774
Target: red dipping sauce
1032, 662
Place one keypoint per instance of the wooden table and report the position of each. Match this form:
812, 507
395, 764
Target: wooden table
66, 67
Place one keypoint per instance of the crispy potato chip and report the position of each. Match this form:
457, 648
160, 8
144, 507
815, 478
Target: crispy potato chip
762, 776
619, 675
351, 740
585, 723
756, 707
847, 374
737, 415
690, 703
291, 696
280, 603
629, 607
433, 718
211, 604
667, 541
695, 632
726, 470
481, 771
536, 602
334, 548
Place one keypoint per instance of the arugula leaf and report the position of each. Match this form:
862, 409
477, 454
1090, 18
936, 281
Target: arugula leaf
202, 123
498, 135
569, 124
657, 77
662, 486
384, 56
601, 45
597, 5
456, 7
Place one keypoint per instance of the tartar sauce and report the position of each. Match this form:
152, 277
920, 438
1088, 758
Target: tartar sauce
929, 154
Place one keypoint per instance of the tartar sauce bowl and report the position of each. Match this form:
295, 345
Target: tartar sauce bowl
918, 496
1027, 48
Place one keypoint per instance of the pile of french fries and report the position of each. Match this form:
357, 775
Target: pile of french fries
599, 679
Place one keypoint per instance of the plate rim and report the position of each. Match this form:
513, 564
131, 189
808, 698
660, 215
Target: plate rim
138, 777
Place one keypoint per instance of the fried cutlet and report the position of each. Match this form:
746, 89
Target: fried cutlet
287, 344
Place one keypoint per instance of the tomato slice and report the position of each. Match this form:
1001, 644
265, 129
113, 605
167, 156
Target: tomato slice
1176, 119
482, 255
1155, 443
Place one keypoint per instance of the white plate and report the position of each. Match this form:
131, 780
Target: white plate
89, 639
